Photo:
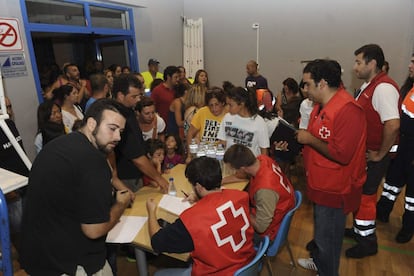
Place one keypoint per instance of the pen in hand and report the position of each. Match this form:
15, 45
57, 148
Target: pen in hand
185, 194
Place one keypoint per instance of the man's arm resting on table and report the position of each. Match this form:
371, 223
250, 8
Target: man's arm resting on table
266, 201
174, 238
145, 166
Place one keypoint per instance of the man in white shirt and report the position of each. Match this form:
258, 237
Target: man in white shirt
379, 97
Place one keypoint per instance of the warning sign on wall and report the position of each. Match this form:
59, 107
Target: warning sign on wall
10, 39
13, 65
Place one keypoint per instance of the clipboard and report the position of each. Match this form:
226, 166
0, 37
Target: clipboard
286, 132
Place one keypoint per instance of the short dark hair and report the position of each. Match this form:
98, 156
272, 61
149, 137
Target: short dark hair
144, 102
329, 70
292, 85
98, 82
215, 93
96, 110
123, 82
66, 67
370, 52
239, 156
206, 171
155, 83
170, 70
181, 67
152, 145
113, 67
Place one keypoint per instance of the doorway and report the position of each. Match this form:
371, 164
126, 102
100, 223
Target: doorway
76, 32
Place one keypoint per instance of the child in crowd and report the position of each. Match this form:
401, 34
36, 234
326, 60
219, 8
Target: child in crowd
155, 152
174, 151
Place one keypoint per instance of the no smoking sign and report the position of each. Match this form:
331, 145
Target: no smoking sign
10, 39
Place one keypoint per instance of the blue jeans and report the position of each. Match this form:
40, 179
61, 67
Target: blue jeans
329, 231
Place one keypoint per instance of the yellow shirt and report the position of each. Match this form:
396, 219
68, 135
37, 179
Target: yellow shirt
207, 123
148, 78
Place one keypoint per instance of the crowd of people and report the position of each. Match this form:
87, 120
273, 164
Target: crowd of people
125, 129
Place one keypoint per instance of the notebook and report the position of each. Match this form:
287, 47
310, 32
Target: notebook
286, 132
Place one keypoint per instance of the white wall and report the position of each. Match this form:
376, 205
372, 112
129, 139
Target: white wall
159, 33
295, 30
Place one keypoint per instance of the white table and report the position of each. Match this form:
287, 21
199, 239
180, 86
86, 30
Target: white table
10, 181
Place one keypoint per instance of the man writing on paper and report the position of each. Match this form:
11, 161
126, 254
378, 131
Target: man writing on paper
216, 230
270, 191
69, 209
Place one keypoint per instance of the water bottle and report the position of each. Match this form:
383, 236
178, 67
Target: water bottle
193, 148
171, 187
211, 151
201, 150
220, 155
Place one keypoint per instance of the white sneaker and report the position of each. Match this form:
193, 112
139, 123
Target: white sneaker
307, 264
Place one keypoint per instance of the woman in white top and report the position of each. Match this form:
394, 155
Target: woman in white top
150, 123
67, 97
242, 125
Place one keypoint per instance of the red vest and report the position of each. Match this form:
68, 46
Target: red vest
271, 177
329, 183
375, 127
220, 228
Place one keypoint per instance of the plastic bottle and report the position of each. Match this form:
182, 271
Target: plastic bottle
220, 155
211, 150
193, 148
171, 187
201, 149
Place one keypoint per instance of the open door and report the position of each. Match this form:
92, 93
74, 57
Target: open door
116, 50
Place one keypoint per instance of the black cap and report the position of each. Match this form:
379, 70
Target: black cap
153, 61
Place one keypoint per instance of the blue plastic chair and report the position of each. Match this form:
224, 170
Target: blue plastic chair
253, 268
282, 235
5, 258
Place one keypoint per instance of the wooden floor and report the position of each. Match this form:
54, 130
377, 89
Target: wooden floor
392, 258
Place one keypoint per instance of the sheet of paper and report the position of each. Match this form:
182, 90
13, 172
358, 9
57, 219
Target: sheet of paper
10, 181
173, 204
126, 230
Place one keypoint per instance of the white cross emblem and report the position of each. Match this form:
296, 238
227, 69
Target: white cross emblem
324, 132
224, 221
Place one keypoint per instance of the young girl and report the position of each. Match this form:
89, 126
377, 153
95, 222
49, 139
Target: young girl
242, 125
155, 152
174, 151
